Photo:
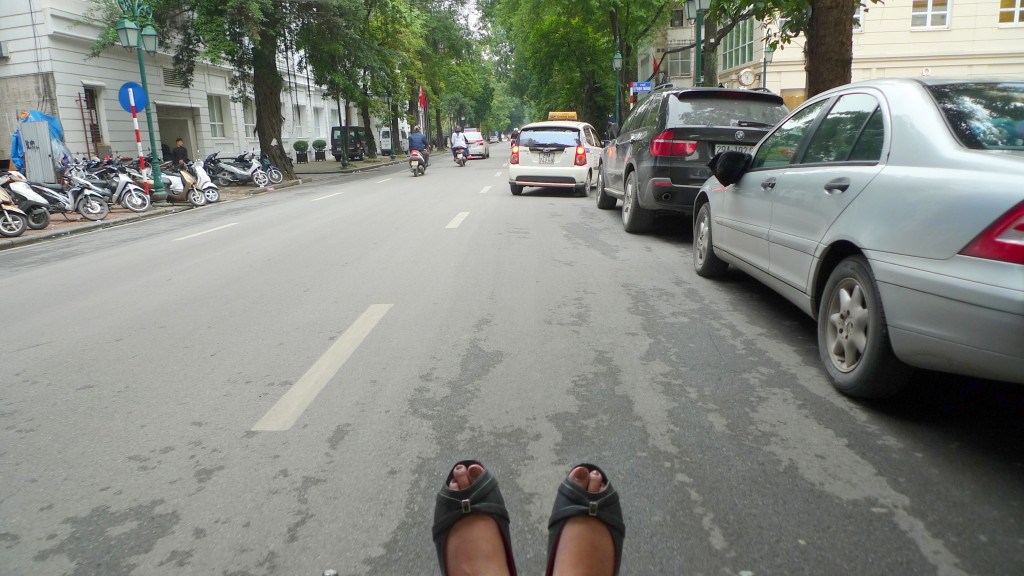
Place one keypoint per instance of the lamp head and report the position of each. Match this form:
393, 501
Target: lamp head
128, 33
149, 39
617, 61
769, 52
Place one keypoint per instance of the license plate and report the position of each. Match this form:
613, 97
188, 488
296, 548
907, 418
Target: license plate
733, 148
547, 158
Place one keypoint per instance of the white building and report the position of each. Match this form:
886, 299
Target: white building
44, 65
941, 38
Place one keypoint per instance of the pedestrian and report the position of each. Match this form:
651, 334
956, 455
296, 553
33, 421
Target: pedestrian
179, 156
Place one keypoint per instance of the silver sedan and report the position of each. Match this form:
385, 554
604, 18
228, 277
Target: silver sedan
892, 212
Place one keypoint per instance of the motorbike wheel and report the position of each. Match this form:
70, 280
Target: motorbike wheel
212, 195
12, 224
222, 180
136, 201
38, 218
259, 177
275, 176
93, 208
196, 197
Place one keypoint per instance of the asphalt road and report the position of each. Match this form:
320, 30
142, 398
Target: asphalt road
278, 386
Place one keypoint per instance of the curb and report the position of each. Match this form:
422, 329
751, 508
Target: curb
354, 170
7, 243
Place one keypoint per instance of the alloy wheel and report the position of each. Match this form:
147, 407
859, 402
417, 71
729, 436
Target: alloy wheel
846, 338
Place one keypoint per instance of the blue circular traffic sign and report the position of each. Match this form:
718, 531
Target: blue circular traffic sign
141, 99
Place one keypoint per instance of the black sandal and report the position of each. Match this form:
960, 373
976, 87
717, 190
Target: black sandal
482, 497
573, 501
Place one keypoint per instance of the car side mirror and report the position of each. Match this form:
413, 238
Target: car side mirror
730, 166
605, 143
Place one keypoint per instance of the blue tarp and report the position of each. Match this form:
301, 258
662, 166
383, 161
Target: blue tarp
56, 138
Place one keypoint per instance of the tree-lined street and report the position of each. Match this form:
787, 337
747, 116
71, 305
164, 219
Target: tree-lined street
412, 322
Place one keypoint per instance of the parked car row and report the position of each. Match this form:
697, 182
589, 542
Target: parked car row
890, 211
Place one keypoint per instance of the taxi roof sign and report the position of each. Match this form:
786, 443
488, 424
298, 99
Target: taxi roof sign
570, 115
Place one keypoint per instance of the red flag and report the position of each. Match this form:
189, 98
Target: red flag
423, 98
657, 67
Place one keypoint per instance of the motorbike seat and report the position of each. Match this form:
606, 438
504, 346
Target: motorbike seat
56, 187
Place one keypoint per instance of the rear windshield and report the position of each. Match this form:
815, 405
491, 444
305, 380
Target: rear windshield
473, 135
549, 137
734, 112
984, 116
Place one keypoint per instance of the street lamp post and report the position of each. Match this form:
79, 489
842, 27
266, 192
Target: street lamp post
695, 10
769, 52
391, 125
617, 65
134, 12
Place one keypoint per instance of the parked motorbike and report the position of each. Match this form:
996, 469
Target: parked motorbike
227, 173
126, 192
274, 173
179, 185
417, 164
460, 156
203, 181
35, 207
76, 195
13, 220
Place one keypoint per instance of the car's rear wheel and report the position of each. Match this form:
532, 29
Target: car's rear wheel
604, 201
584, 189
853, 339
516, 189
705, 261
635, 219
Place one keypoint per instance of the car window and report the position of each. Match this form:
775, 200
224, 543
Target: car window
549, 137
780, 147
734, 111
653, 113
869, 145
591, 137
636, 117
984, 116
840, 130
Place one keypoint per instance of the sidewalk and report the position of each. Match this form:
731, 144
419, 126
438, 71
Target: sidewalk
76, 224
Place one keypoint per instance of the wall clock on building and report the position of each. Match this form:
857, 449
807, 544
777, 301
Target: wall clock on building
746, 77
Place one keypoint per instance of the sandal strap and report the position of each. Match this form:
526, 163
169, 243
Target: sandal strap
574, 501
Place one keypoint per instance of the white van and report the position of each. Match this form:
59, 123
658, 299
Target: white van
402, 140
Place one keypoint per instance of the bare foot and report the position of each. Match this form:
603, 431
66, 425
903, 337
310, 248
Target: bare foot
474, 546
585, 547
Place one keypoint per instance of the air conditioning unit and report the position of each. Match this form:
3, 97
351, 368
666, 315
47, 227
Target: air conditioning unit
5, 52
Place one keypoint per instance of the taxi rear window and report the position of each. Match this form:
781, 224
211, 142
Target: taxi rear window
549, 137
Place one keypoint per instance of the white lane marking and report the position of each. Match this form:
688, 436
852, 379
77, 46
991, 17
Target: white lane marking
457, 220
382, 181
496, 174
485, 189
206, 232
283, 415
326, 197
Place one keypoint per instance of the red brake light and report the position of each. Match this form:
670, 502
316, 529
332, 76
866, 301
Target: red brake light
515, 155
581, 156
665, 144
1003, 240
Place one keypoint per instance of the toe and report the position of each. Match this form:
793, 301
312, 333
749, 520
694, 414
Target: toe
475, 472
594, 481
580, 475
461, 477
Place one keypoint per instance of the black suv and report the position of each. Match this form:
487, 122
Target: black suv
658, 160
356, 148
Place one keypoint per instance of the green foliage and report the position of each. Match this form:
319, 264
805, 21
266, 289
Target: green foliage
319, 145
301, 146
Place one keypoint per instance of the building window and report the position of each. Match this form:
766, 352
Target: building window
858, 19
249, 118
318, 122
738, 45
1011, 11
216, 116
679, 63
93, 106
297, 120
929, 14
678, 18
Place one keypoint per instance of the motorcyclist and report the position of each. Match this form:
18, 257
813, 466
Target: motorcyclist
417, 141
459, 141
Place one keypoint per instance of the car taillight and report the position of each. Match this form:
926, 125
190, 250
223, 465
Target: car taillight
1003, 240
581, 156
665, 144
514, 159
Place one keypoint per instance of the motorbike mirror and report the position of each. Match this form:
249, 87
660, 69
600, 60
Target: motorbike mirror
729, 166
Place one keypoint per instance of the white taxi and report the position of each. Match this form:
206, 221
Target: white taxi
557, 154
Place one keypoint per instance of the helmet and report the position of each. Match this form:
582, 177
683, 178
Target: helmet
458, 128
415, 128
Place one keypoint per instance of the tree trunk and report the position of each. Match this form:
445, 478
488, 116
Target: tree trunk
709, 54
396, 136
829, 47
369, 141
438, 134
267, 86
